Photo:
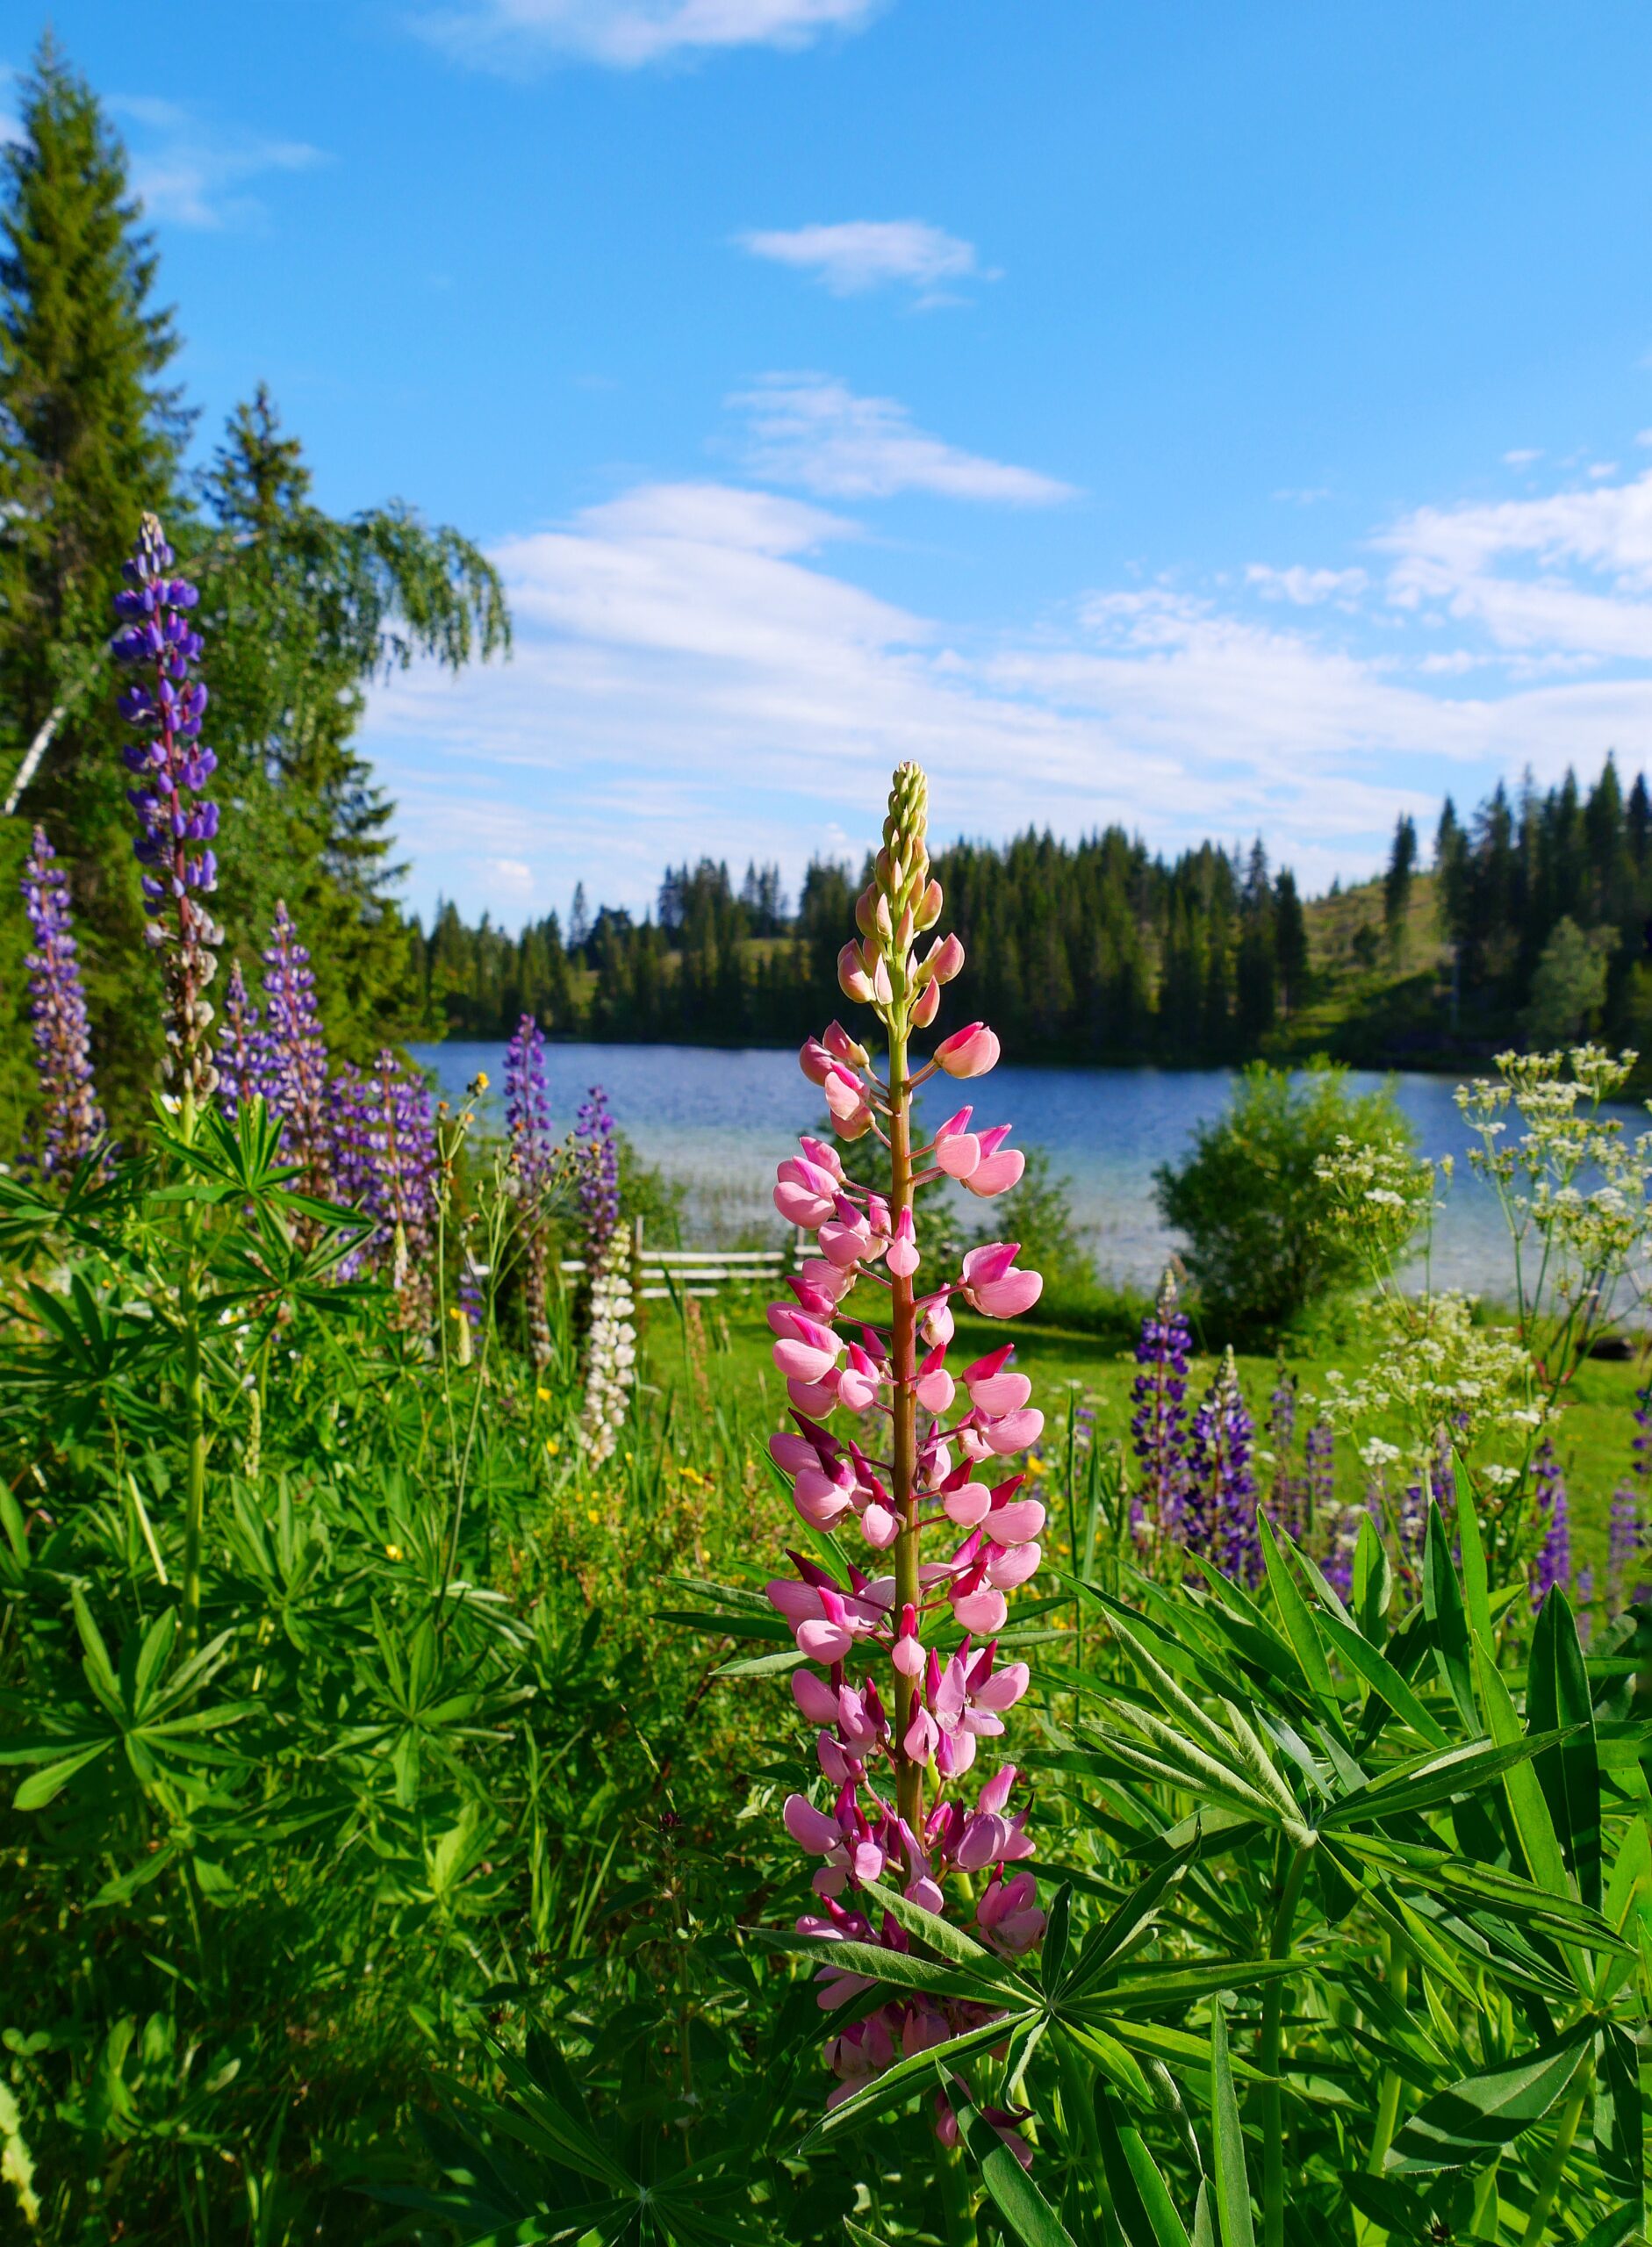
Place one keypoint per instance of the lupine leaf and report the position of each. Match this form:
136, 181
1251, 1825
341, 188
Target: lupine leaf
1233, 2183
1483, 2112
1373, 1583
1471, 1545
1141, 2203
1459, 1771
1557, 1698
898, 2083
1526, 1806
1619, 2122
1383, 1679
878, 1963
1294, 1613
1052, 1958
1027, 2214
1103, 1944
1442, 1604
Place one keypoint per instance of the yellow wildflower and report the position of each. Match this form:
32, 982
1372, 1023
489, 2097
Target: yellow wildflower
392, 1552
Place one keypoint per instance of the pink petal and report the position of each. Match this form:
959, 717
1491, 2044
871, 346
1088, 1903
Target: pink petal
810, 1828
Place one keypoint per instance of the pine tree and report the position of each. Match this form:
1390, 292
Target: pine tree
1396, 884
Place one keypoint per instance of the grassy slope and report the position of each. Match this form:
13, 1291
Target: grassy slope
1593, 1442
1364, 1003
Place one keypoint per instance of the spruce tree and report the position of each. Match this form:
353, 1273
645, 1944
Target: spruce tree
91, 436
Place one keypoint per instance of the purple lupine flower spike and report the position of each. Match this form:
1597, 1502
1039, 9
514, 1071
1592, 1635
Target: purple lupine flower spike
1157, 1426
599, 1180
241, 1057
70, 1124
1221, 1508
296, 1057
1287, 1500
1320, 1489
1624, 1539
1553, 1564
528, 1118
177, 824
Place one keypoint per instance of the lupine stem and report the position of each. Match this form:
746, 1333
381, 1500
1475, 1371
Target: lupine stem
1548, 2179
903, 1354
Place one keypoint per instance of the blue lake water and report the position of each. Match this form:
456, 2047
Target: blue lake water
717, 1123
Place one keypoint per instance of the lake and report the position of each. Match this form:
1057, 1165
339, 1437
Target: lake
717, 1123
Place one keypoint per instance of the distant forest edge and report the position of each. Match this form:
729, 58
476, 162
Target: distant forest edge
1531, 924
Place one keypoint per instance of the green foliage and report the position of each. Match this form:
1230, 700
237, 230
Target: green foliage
1251, 1202
300, 611
1569, 985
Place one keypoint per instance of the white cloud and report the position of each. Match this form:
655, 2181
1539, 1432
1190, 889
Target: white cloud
813, 430
692, 673
1567, 575
868, 253
1522, 456
1305, 587
509, 34
191, 172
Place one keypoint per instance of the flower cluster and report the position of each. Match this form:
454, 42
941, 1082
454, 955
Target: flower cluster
527, 1122
1159, 1421
599, 1175
391, 1173
175, 824
1288, 1500
243, 1074
611, 1353
920, 1453
294, 1056
1218, 1515
70, 1125
1554, 1563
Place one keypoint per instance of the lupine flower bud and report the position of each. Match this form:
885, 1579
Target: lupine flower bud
852, 979
969, 1052
926, 1006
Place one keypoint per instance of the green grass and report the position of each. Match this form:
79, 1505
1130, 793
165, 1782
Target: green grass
1594, 1438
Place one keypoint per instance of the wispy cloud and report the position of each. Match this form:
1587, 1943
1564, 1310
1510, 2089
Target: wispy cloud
1305, 588
694, 670
626, 34
812, 431
191, 171
866, 254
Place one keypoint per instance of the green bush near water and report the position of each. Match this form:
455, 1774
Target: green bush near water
1262, 1245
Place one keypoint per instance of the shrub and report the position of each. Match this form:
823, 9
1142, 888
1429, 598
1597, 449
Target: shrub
1255, 1214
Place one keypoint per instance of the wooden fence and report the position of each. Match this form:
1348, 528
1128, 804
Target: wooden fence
658, 1274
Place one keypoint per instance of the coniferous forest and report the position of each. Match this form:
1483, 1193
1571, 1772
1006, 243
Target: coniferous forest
1533, 918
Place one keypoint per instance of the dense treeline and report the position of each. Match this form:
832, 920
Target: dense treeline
1534, 923
1091, 951
299, 611
1547, 900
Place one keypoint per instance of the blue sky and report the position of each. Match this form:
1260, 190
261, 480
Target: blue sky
1211, 418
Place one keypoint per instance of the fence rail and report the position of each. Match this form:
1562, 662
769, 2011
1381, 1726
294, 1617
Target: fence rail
658, 1274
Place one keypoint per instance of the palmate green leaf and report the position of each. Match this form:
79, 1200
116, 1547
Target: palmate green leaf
899, 1968
950, 1940
859, 2236
1372, 1584
763, 1665
897, 2084
1182, 1986
1052, 1957
1141, 2202
1027, 2216
1383, 1679
43, 1787
1483, 2112
1460, 1770
1471, 1545
1619, 2117
1227, 2136
1532, 1823
1466, 1881
1557, 1701
1104, 1943
1442, 1604
1296, 1614
1617, 2229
